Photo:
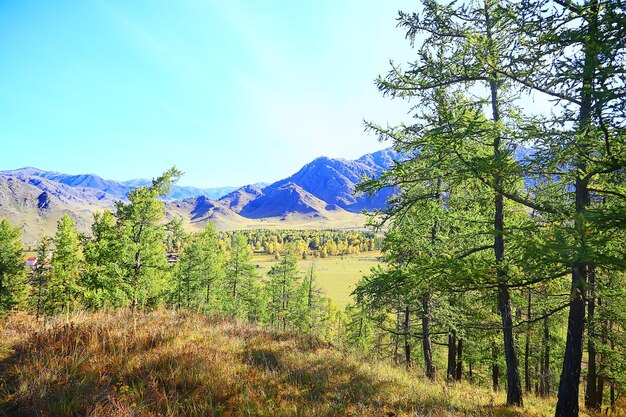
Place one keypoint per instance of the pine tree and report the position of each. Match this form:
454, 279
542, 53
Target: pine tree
571, 53
310, 301
240, 281
64, 289
99, 278
42, 274
199, 269
281, 289
463, 44
13, 287
141, 263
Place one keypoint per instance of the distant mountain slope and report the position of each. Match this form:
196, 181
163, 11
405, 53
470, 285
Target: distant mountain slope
238, 199
115, 189
319, 195
322, 189
335, 180
36, 211
181, 192
383, 159
118, 190
288, 198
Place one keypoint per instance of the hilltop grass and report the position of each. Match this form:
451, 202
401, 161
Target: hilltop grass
168, 364
337, 276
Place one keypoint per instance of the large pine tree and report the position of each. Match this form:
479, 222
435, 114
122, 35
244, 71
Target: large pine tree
140, 261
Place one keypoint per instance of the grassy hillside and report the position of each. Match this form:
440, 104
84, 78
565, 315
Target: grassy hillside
170, 364
337, 276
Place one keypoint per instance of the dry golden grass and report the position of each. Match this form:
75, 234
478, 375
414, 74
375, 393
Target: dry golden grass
168, 364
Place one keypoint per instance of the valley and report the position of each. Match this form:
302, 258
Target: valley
319, 196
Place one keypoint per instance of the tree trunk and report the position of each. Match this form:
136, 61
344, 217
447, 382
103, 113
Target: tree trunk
514, 386
612, 391
236, 277
136, 274
178, 293
407, 344
495, 368
591, 393
284, 293
40, 295
544, 378
600, 389
396, 339
189, 290
567, 404
310, 302
426, 343
459, 362
527, 380
451, 371
538, 370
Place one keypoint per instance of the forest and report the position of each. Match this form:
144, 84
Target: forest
503, 260
507, 236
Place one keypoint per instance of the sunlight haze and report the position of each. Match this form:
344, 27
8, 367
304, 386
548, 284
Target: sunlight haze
232, 92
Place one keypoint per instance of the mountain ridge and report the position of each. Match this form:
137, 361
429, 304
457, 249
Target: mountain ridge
117, 189
319, 195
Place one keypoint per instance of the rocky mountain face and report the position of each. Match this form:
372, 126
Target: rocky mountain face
37, 206
322, 189
320, 194
334, 180
240, 198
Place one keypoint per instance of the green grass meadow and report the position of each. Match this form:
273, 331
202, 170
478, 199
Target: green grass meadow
336, 275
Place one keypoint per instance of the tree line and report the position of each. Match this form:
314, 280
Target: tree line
311, 243
506, 241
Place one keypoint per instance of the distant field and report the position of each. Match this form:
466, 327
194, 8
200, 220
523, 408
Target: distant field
336, 275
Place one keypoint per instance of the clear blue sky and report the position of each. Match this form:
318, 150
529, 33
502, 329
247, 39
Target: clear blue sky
230, 91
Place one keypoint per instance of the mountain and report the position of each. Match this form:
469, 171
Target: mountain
322, 190
37, 206
319, 195
238, 199
117, 190
114, 189
287, 198
335, 180
181, 192
384, 159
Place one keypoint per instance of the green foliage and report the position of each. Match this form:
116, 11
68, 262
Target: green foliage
305, 243
101, 282
42, 273
199, 270
241, 281
64, 291
496, 201
140, 263
282, 290
13, 287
